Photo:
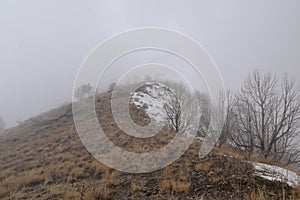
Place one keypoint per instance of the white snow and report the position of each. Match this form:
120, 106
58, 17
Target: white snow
274, 173
155, 97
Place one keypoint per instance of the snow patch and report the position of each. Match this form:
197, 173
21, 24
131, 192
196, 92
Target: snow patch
274, 173
154, 97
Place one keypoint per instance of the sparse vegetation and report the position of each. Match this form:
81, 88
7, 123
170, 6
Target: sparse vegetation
267, 118
83, 91
183, 108
2, 125
43, 158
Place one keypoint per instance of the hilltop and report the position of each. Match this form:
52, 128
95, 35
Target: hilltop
43, 158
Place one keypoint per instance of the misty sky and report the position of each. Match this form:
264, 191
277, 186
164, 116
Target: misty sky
43, 43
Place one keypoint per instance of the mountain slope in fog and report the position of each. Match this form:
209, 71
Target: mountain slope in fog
43, 158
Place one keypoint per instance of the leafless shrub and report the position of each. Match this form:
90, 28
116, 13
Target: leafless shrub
182, 108
267, 116
83, 91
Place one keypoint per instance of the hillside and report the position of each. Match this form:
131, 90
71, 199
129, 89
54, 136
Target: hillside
43, 158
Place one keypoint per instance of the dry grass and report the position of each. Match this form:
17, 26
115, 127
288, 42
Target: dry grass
166, 185
171, 186
136, 187
98, 168
101, 192
203, 166
111, 180
14, 183
260, 194
73, 196
45, 159
228, 151
180, 187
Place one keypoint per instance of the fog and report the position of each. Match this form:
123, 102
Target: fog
43, 43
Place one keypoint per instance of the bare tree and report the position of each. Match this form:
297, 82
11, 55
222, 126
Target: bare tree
228, 103
83, 91
2, 125
221, 118
173, 111
267, 115
182, 108
205, 107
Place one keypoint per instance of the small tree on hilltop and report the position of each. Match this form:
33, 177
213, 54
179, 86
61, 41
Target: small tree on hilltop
2, 125
83, 91
182, 108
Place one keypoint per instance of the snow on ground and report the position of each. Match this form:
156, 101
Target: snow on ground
154, 97
275, 173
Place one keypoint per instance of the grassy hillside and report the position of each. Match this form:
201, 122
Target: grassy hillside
43, 158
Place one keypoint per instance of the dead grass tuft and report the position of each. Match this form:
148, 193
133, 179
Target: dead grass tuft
180, 187
136, 187
100, 193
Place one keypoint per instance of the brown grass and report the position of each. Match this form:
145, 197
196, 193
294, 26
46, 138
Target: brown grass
45, 159
204, 166
110, 180
166, 185
180, 187
100, 192
136, 187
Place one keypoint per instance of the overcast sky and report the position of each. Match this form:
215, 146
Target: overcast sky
43, 43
